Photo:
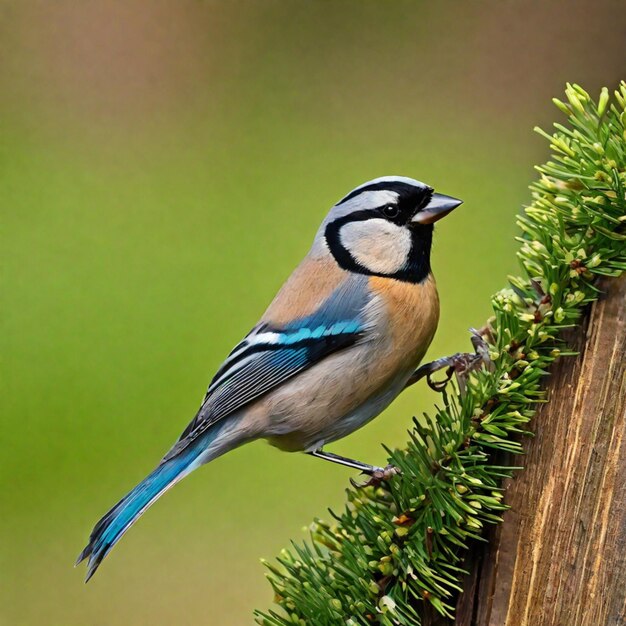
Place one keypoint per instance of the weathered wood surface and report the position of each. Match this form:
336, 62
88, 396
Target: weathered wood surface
559, 557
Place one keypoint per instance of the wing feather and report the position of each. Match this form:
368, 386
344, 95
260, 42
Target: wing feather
269, 356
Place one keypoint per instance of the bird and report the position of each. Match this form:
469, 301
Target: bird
340, 340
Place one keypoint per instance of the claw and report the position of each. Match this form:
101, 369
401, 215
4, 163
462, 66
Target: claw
460, 364
377, 476
440, 385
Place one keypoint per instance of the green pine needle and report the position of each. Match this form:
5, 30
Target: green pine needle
401, 545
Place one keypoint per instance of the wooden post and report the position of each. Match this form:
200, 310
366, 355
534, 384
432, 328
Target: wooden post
559, 557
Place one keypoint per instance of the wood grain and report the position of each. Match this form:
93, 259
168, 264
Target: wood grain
559, 557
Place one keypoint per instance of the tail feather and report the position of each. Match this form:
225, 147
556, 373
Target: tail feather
109, 530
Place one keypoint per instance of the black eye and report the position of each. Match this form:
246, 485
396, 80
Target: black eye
391, 211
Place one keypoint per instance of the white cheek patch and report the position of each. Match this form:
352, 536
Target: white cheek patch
376, 244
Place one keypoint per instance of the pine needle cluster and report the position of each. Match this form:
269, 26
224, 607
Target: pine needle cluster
400, 546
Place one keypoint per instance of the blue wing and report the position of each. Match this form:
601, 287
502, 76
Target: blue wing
269, 356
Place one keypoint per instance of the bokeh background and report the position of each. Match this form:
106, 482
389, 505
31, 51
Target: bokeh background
163, 167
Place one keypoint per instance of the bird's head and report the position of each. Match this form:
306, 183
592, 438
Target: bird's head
384, 228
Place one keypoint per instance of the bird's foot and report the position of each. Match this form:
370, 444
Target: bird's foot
460, 364
377, 475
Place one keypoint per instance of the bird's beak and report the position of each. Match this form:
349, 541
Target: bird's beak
438, 207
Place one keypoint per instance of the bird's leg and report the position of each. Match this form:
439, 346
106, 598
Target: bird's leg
342, 460
461, 364
376, 474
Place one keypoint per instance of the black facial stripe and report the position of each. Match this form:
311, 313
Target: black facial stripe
417, 267
359, 216
333, 239
404, 190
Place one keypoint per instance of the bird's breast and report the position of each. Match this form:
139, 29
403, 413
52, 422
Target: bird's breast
406, 316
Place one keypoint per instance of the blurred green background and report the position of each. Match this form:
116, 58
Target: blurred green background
163, 167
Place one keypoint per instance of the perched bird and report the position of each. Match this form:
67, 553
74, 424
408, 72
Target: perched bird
338, 343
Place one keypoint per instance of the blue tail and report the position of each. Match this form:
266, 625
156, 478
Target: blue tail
109, 530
